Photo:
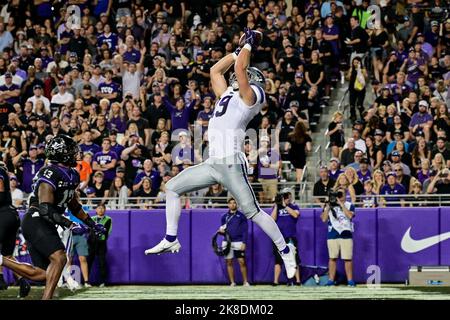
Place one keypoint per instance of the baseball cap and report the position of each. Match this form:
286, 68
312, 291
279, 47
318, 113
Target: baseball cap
434, 23
398, 131
395, 154
8, 75
62, 83
299, 75
120, 169
87, 87
294, 103
90, 190
423, 103
364, 160
33, 146
37, 86
286, 190
73, 54
387, 162
335, 159
182, 133
13, 178
41, 146
379, 132
391, 173
99, 173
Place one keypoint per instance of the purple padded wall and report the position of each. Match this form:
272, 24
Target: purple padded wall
207, 267
147, 228
364, 244
392, 225
445, 231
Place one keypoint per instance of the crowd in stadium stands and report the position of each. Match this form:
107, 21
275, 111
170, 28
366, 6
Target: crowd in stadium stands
128, 79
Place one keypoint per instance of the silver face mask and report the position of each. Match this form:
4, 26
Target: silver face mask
255, 77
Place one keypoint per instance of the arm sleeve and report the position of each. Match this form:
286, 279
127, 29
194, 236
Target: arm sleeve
168, 104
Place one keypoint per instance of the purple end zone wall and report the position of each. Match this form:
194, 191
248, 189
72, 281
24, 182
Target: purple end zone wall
377, 241
392, 225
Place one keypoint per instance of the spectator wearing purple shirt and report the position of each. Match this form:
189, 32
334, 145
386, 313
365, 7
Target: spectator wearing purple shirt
10, 91
148, 172
88, 145
421, 121
108, 89
331, 34
131, 54
413, 68
364, 173
30, 166
108, 37
116, 147
334, 170
286, 214
206, 114
105, 161
179, 113
392, 188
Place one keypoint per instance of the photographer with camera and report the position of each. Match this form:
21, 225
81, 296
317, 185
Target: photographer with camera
286, 213
338, 214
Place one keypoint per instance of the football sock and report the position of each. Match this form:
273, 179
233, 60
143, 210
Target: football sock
173, 211
268, 225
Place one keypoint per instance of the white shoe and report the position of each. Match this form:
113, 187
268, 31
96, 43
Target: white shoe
72, 284
164, 246
246, 284
87, 285
232, 284
102, 285
289, 261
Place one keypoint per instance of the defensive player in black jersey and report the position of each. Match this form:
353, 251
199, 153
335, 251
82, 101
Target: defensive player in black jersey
9, 224
54, 191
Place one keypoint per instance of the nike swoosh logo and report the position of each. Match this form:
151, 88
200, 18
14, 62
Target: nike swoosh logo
410, 245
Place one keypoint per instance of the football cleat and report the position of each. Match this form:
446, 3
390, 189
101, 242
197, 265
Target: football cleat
164, 246
24, 288
289, 261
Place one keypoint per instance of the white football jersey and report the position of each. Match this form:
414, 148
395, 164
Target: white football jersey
226, 129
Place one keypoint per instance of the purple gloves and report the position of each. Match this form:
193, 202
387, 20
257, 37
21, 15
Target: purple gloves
79, 229
99, 229
253, 38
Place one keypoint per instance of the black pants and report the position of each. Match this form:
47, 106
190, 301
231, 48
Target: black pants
356, 101
98, 249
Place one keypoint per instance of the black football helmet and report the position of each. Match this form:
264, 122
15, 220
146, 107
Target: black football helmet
63, 149
255, 76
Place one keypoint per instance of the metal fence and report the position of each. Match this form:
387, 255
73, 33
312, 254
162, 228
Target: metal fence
189, 202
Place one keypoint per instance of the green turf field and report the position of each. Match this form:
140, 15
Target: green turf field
257, 292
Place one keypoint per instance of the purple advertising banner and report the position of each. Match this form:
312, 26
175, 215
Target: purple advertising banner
401, 232
147, 228
445, 237
207, 267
